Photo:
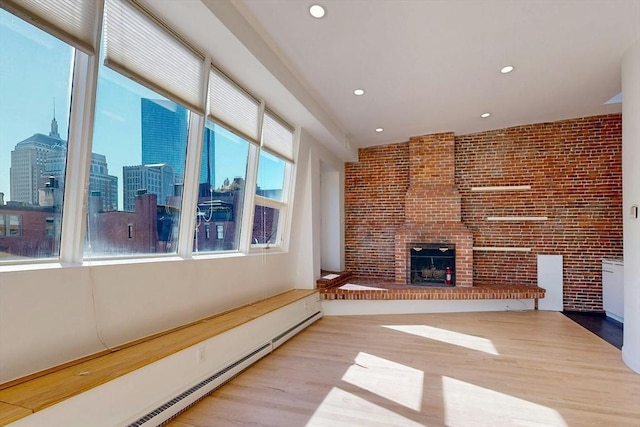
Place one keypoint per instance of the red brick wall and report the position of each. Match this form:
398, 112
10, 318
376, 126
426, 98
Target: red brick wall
375, 193
574, 169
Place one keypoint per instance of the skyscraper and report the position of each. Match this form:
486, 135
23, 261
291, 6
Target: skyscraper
99, 179
28, 163
164, 136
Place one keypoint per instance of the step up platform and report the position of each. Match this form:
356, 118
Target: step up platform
333, 279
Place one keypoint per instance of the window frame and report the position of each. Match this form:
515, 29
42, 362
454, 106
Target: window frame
84, 77
284, 207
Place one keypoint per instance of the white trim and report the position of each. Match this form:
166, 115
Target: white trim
79, 149
517, 218
503, 188
500, 249
190, 185
249, 196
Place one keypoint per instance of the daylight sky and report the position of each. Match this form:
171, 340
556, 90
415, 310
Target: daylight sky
35, 70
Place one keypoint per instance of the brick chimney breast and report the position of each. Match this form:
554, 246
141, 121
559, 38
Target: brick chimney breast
433, 206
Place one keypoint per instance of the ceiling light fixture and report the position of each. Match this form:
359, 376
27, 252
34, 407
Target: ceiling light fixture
379, 130
485, 115
316, 11
358, 92
506, 69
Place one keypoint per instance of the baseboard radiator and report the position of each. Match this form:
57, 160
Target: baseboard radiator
154, 394
188, 398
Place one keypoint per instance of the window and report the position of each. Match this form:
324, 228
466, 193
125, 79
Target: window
223, 171
35, 99
142, 138
50, 227
140, 134
265, 226
15, 225
274, 171
150, 96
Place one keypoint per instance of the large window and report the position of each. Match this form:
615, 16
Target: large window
160, 128
35, 97
274, 176
223, 171
137, 172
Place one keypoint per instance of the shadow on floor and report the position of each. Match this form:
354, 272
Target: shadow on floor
606, 328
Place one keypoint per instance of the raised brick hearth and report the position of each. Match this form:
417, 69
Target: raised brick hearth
433, 207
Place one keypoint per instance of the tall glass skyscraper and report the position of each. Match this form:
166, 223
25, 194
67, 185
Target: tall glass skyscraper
164, 132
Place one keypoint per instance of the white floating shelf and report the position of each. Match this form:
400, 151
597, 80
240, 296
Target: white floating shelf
503, 188
500, 249
517, 218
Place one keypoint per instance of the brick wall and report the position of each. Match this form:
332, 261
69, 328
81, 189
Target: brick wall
376, 186
573, 168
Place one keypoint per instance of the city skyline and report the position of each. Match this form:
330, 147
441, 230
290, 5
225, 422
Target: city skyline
36, 69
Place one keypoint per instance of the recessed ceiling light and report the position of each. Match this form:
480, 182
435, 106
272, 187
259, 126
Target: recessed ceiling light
485, 115
316, 11
379, 130
507, 69
358, 92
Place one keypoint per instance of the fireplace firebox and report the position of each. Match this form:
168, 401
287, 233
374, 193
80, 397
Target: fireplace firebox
429, 264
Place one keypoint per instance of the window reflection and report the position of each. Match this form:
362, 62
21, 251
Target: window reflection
221, 193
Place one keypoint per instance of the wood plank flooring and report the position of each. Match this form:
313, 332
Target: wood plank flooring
462, 369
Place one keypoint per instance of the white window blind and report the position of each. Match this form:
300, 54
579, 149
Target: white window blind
232, 106
141, 48
73, 21
277, 136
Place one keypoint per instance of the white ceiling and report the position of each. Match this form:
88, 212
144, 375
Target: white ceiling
433, 65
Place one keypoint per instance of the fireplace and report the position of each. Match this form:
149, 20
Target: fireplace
429, 264
433, 214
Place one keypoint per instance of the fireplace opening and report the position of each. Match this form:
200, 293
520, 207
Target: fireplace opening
429, 264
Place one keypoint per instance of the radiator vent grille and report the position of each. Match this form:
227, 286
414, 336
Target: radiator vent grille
293, 328
195, 388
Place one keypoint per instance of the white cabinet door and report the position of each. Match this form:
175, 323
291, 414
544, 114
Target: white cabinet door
613, 289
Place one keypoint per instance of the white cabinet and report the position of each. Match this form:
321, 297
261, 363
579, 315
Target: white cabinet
613, 288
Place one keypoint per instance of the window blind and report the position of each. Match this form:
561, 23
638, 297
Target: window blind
232, 106
277, 136
73, 21
141, 48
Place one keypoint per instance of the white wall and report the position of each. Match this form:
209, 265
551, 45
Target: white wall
631, 197
330, 212
52, 316
307, 228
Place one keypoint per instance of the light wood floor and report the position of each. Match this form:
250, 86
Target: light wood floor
463, 369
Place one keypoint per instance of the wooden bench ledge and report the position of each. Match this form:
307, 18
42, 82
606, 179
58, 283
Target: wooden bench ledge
36, 394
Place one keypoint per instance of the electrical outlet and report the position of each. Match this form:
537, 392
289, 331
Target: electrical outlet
201, 354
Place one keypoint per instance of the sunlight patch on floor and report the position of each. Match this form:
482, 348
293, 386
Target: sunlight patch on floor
450, 337
399, 383
467, 404
341, 408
